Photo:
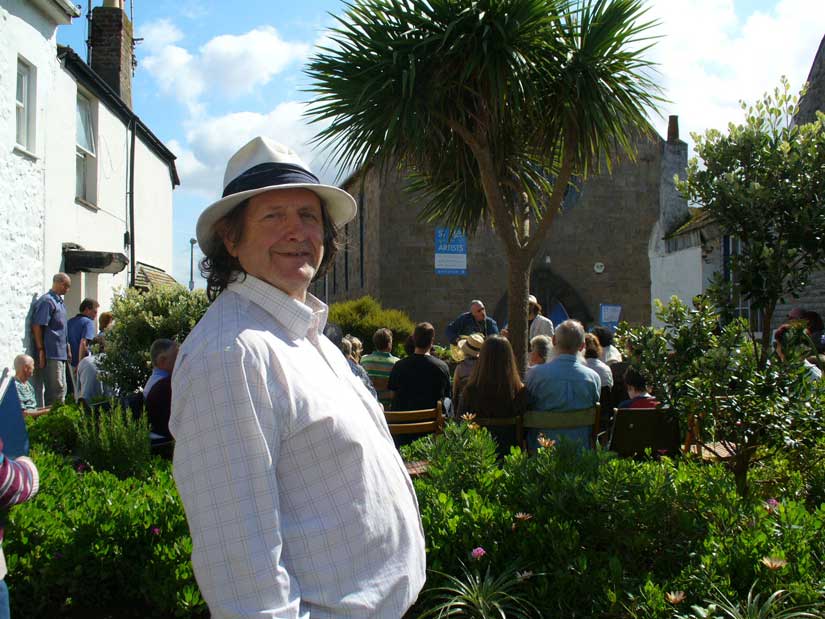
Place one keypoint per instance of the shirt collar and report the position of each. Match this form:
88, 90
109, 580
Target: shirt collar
159, 373
56, 296
296, 317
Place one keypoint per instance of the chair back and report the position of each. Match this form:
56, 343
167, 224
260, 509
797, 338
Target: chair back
638, 429
384, 394
517, 423
563, 420
425, 421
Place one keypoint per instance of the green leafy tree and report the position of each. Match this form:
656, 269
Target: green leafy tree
763, 182
140, 318
495, 105
711, 377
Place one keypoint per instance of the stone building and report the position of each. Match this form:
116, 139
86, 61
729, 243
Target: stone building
605, 246
87, 187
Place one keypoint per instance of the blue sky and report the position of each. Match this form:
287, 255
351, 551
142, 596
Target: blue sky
211, 75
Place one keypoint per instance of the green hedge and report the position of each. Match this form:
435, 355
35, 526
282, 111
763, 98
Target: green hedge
362, 317
603, 537
609, 537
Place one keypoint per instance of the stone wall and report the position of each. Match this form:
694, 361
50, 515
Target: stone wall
611, 222
111, 40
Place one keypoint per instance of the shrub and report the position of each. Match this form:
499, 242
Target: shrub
140, 318
91, 545
56, 431
113, 440
608, 537
362, 317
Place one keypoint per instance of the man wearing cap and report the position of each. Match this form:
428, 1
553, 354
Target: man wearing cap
474, 321
298, 504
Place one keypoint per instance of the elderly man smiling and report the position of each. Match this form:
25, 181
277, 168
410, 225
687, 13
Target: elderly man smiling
298, 503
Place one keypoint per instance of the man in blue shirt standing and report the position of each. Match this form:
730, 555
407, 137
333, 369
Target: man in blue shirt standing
49, 328
563, 384
81, 331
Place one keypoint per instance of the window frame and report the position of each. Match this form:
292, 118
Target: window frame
731, 247
25, 106
86, 154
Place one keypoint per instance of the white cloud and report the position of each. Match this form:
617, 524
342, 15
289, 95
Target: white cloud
211, 141
227, 66
711, 59
249, 60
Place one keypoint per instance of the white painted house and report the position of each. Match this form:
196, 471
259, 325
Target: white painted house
85, 187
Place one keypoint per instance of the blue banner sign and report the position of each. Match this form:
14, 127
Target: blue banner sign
450, 252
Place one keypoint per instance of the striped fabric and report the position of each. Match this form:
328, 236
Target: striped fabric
379, 365
19, 481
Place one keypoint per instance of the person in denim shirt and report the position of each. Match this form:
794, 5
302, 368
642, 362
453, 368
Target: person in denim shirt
50, 339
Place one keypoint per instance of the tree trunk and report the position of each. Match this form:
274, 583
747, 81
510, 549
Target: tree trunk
740, 466
518, 284
767, 333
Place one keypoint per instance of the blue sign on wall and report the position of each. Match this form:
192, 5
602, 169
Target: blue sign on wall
450, 252
609, 315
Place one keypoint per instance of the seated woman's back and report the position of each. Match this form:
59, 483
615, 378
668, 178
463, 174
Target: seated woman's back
495, 389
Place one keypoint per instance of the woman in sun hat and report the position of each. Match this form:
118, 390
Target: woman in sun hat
468, 347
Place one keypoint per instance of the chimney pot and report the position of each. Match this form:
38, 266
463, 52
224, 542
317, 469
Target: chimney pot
673, 128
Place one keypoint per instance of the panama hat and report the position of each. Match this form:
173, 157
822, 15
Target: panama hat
471, 345
262, 165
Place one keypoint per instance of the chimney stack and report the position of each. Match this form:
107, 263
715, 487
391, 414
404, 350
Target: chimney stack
113, 47
672, 128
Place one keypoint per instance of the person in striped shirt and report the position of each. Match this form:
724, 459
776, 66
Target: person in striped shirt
379, 363
19, 481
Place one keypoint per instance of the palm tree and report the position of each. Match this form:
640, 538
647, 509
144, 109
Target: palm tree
495, 105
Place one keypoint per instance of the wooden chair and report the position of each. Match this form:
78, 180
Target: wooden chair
636, 430
426, 421
384, 394
563, 420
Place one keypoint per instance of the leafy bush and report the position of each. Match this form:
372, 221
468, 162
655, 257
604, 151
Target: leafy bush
113, 440
140, 318
91, 545
362, 317
607, 537
56, 431
712, 374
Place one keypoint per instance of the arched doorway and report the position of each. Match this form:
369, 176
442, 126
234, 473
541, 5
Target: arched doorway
557, 297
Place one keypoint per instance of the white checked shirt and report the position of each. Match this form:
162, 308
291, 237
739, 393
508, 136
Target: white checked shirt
298, 503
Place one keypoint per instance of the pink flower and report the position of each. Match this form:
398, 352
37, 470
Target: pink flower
771, 505
155, 531
477, 553
80, 467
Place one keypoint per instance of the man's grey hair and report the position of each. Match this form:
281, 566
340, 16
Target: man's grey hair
160, 348
20, 361
541, 345
61, 278
476, 302
346, 347
569, 337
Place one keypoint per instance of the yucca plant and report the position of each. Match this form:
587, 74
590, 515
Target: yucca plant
495, 105
774, 607
477, 596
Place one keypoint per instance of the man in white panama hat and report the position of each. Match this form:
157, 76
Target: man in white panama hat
298, 503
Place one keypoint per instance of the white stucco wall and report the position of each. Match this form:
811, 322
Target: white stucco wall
679, 274
38, 207
26, 33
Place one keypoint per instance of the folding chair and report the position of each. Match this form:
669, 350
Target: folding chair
636, 430
563, 420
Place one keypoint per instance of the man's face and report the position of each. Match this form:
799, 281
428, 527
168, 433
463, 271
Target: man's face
27, 371
62, 287
478, 312
283, 239
91, 313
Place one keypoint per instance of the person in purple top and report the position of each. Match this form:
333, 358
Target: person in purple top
80, 332
50, 339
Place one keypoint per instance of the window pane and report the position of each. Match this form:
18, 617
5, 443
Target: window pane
21, 136
85, 133
80, 175
22, 78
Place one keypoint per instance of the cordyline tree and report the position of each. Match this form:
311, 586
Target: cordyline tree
764, 183
494, 105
